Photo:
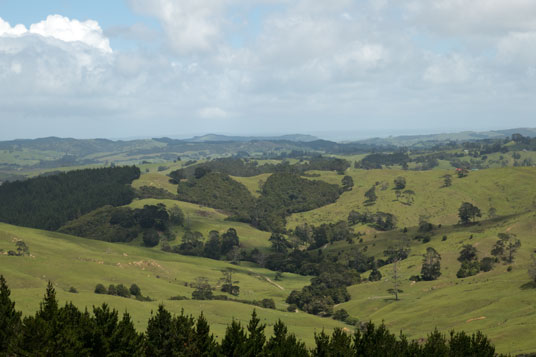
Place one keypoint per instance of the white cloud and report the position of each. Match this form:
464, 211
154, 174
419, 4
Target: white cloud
7, 30
474, 17
449, 69
191, 25
212, 113
62, 28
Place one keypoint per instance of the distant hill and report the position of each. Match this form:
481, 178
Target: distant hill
432, 139
223, 138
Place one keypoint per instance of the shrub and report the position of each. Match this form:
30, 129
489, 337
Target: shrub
179, 297
341, 315
135, 290
112, 290
292, 308
486, 264
375, 275
122, 291
268, 303
468, 268
73, 290
100, 289
150, 238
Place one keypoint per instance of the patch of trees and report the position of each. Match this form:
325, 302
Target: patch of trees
468, 213
380, 220
21, 249
505, 248
67, 331
49, 202
325, 291
377, 160
219, 191
329, 233
154, 192
286, 193
123, 224
246, 168
216, 246
122, 291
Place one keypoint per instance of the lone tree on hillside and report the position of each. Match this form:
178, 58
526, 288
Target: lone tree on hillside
467, 213
228, 284
505, 247
347, 183
469, 259
395, 290
400, 183
447, 180
370, 195
532, 269
431, 265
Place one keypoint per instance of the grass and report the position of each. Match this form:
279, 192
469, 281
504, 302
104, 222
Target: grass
253, 183
508, 190
500, 303
82, 263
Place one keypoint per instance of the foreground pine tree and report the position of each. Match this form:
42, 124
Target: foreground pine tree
10, 323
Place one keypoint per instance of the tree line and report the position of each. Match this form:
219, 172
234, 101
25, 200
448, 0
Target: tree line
48, 202
67, 331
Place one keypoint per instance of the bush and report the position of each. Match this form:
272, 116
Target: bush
112, 290
150, 238
73, 290
341, 315
292, 308
178, 297
468, 268
100, 289
375, 275
268, 303
122, 291
486, 264
135, 290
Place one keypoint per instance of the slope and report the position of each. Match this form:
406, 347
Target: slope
83, 263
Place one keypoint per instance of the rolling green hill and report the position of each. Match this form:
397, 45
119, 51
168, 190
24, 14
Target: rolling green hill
508, 190
501, 303
82, 263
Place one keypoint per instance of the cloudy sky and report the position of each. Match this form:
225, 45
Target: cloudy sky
339, 69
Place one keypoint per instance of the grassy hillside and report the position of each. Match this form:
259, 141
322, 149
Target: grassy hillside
508, 190
83, 263
499, 302
206, 219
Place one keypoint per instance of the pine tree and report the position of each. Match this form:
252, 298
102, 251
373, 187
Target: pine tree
159, 335
234, 342
322, 348
204, 341
125, 340
256, 338
282, 344
10, 322
431, 265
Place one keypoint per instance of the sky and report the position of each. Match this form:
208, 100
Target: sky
338, 69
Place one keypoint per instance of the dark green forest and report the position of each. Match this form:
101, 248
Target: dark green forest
49, 202
56, 330
282, 194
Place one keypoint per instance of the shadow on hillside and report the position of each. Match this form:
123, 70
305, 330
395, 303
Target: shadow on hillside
529, 285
